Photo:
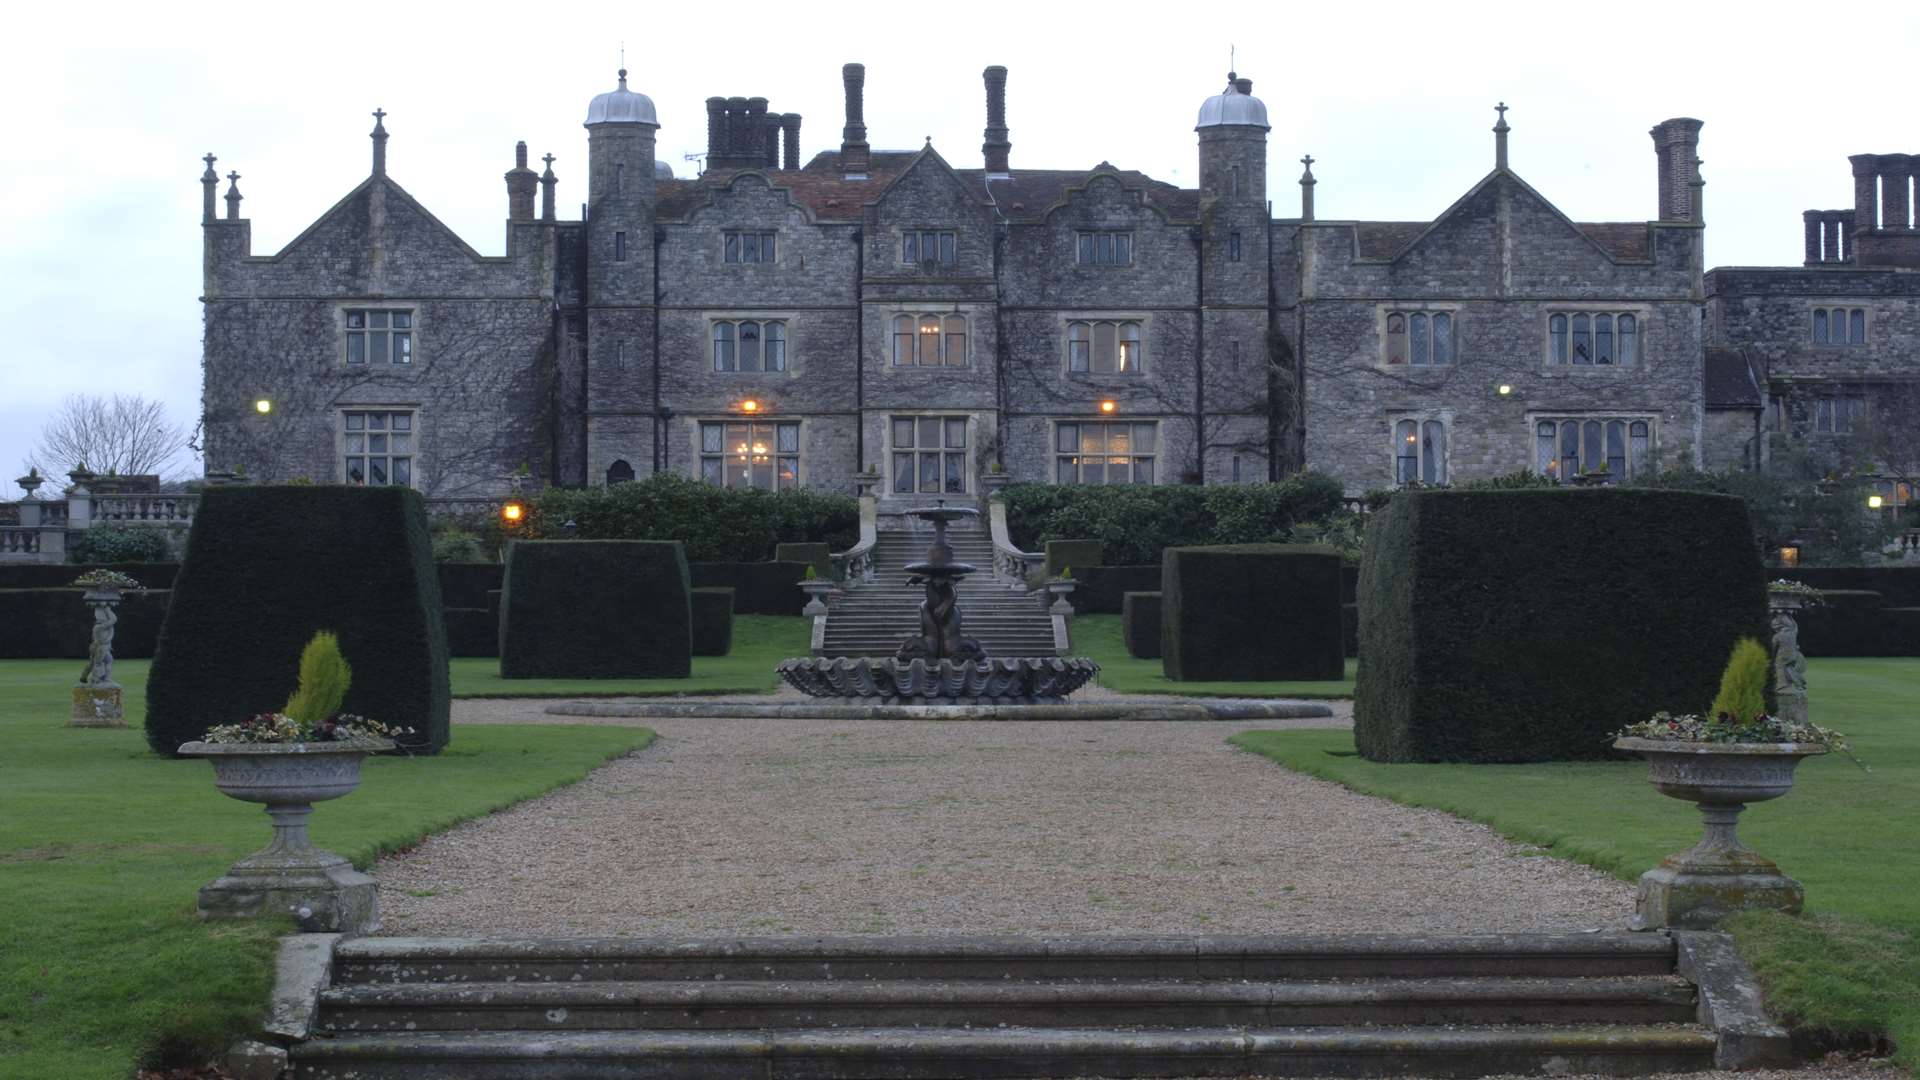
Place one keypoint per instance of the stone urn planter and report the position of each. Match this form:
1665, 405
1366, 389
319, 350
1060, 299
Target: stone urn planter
321, 890
1696, 888
1059, 589
817, 592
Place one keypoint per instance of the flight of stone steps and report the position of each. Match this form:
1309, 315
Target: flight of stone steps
873, 618
869, 1007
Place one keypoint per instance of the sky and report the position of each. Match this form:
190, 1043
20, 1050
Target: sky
108, 120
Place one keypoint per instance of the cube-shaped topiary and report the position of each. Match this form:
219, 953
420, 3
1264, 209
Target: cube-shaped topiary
1140, 624
266, 568
1527, 625
1251, 611
596, 609
712, 621
1066, 554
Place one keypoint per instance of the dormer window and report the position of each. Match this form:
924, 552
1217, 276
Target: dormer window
927, 246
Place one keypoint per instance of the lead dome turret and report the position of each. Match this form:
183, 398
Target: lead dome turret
1234, 107
622, 106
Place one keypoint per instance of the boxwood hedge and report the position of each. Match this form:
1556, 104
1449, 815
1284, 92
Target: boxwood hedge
1140, 624
1251, 611
54, 624
266, 567
1135, 523
1528, 625
596, 609
712, 621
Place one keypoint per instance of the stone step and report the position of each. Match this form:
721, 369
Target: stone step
609, 1006
1289, 957
910, 1053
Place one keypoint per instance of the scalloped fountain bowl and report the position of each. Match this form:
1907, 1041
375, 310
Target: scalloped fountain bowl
1019, 680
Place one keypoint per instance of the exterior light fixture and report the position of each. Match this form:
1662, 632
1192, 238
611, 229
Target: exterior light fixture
1790, 555
1505, 390
1108, 405
263, 406
1875, 502
750, 406
512, 512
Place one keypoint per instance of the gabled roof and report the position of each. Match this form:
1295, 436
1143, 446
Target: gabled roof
340, 209
1729, 381
1387, 241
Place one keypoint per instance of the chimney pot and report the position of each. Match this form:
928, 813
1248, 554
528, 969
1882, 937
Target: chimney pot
855, 154
996, 147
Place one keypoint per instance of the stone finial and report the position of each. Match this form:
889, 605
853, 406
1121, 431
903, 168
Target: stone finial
1306, 189
547, 181
233, 196
209, 188
379, 137
1500, 130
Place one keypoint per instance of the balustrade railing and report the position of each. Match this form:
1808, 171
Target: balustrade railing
18, 540
161, 510
855, 565
1010, 564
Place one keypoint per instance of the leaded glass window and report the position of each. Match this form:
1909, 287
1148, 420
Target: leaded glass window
1593, 338
378, 446
750, 345
380, 336
1839, 326
1106, 348
1600, 449
751, 454
1105, 453
929, 454
1420, 338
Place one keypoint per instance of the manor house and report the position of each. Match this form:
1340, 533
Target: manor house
774, 324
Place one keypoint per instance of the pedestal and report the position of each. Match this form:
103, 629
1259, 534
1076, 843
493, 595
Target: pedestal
1696, 888
97, 706
320, 890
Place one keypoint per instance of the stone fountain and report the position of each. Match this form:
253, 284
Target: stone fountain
940, 664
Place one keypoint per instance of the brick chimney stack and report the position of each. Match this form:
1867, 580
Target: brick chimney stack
790, 126
996, 147
1676, 144
856, 157
520, 184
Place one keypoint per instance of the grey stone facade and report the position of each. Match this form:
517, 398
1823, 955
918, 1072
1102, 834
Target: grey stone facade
1179, 335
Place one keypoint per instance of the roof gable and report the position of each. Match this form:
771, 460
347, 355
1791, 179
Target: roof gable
1528, 211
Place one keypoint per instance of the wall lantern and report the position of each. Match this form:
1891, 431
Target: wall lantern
1875, 502
263, 406
512, 512
1505, 390
1790, 555
1108, 406
750, 406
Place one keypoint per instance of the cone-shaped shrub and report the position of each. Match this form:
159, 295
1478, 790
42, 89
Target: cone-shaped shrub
324, 679
1743, 685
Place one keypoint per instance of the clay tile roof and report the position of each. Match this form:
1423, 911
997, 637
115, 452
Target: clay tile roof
1625, 240
823, 191
1729, 379
1028, 193
1385, 239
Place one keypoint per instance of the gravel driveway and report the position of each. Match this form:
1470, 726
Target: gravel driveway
894, 827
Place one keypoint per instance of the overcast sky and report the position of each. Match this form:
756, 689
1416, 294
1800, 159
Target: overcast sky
111, 108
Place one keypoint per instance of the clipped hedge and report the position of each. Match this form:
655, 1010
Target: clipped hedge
153, 575
818, 556
1857, 622
1136, 523
53, 624
765, 588
1900, 585
1140, 624
1350, 629
1251, 611
596, 609
716, 524
120, 544
1527, 625
465, 585
1072, 554
471, 631
712, 621
1101, 590
266, 567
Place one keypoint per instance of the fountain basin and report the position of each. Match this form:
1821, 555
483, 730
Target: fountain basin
1020, 680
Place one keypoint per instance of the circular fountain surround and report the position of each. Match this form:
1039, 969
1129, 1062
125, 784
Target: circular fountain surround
922, 673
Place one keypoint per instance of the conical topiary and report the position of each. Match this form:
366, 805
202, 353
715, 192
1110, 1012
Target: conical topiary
324, 680
1743, 685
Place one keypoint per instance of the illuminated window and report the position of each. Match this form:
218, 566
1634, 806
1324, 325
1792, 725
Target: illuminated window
1419, 452
1087, 453
1105, 348
751, 455
929, 454
378, 446
930, 340
1602, 449
380, 336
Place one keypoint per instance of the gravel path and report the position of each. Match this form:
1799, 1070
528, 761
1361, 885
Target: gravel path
782, 826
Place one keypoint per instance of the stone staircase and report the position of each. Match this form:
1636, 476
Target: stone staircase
873, 618
866, 1007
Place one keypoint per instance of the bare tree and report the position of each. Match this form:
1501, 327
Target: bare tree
125, 434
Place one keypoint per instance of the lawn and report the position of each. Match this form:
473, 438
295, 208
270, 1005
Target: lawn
1846, 834
1099, 636
760, 642
103, 962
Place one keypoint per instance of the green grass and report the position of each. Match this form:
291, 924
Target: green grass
1854, 967
103, 962
760, 642
1099, 636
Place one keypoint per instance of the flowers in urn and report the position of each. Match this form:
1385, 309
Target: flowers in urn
313, 713
108, 579
1739, 713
